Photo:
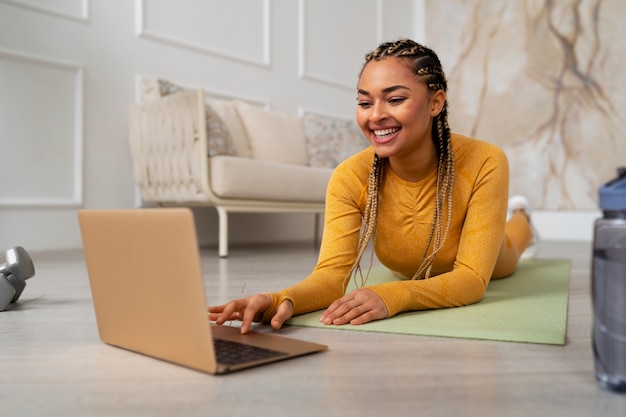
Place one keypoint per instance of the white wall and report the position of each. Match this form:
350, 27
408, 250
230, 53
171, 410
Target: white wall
68, 72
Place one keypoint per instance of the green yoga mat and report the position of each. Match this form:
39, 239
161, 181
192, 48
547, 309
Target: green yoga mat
529, 306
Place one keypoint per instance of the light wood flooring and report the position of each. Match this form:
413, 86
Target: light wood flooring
52, 362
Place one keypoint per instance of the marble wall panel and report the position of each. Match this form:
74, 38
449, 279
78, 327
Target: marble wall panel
545, 80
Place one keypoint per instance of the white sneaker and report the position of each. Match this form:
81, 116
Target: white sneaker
519, 202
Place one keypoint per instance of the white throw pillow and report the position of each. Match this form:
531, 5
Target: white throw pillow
219, 138
149, 89
273, 135
228, 113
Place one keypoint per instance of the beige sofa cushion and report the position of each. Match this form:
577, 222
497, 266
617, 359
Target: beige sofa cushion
273, 136
236, 177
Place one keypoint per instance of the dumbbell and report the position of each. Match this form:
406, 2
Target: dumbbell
14, 272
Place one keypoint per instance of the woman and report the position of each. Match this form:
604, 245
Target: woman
433, 203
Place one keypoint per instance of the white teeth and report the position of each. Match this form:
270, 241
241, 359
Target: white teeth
385, 132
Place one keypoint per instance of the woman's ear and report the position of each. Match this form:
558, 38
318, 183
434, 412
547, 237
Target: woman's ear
437, 102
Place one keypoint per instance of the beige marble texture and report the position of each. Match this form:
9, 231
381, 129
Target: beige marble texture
546, 81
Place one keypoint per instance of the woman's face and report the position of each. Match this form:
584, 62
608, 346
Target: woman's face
395, 110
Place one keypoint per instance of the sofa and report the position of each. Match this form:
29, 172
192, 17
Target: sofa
191, 149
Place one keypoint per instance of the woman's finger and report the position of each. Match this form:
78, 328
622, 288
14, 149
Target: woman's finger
366, 317
247, 317
338, 309
253, 310
284, 313
359, 307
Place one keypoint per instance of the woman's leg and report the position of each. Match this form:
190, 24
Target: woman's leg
517, 236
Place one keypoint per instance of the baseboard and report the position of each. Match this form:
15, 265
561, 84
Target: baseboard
569, 225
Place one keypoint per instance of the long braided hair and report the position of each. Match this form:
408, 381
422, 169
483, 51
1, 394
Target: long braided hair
426, 66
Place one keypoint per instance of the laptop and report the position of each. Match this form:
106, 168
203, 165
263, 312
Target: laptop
148, 294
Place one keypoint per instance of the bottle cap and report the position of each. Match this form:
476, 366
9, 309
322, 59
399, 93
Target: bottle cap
613, 193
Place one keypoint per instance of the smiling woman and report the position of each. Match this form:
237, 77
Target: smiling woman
433, 203
398, 119
397, 112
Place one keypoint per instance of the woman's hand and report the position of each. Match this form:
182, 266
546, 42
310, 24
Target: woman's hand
358, 307
250, 309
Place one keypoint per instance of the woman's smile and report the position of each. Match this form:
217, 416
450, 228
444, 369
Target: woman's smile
382, 136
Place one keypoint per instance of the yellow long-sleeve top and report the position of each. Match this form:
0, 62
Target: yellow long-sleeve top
461, 269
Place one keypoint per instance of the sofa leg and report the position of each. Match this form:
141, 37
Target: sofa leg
222, 245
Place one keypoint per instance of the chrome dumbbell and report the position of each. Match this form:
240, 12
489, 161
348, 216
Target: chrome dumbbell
17, 268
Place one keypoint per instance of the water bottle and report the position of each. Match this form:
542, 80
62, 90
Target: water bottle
608, 286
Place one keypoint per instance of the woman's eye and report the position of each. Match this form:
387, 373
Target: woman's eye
364, 104
397, 100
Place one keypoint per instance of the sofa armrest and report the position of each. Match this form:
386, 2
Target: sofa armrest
169, 149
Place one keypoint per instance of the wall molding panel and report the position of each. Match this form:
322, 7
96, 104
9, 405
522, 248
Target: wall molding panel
314, 54
147, 9
79, 9
44, 133
208, 92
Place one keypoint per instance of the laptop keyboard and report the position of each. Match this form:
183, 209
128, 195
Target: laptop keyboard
232, 353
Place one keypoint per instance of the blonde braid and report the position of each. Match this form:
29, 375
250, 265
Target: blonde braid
426, 65
445, 182
369, 221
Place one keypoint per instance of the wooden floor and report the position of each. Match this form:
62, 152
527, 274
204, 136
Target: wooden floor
52, 362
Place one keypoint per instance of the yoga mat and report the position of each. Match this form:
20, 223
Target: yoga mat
529, 306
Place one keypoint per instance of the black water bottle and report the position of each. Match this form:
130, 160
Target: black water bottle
608, 286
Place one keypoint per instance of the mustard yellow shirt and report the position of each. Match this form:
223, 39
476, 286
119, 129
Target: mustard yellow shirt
462, 268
